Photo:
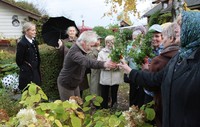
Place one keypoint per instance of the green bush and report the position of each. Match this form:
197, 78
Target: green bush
7, 64
51, 64
8, 103
167, 17
37, 112
6, 57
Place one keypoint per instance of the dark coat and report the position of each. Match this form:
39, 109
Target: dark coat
74, 67
66, 45
28, 60
180, 90
158, 63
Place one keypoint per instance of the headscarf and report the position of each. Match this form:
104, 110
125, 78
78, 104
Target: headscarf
190, 33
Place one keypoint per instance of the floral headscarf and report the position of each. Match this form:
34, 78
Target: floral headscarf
190, 33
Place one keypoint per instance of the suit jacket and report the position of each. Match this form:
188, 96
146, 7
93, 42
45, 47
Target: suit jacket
28, 60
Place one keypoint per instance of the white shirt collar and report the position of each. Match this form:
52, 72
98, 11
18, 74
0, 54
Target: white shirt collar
30, 40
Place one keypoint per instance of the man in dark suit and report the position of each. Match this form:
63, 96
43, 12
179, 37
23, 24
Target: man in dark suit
27, 57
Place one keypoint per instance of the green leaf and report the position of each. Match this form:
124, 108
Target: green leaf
99, 99
59, 109
118, 113
24, 95
150, 113
76, 122
99, 124
86, 104
32, 89
43, 95
58, 123
114, 121
88, 98
96, 103
85, 109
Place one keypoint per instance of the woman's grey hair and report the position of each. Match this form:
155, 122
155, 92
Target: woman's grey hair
27, 26
169, 31
88, 37
109, 38
70, 28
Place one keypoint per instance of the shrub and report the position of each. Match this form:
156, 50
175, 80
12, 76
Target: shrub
8, 103
37, 111
51, 64
6, 57
7, 64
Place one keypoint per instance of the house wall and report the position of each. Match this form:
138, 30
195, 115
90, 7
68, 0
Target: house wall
7, 29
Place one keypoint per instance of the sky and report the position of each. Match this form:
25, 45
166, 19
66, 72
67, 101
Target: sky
91, 11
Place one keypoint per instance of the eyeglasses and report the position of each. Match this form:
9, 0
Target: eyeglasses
109, 42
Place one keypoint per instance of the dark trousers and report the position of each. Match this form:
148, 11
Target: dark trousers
136, 95
105, 95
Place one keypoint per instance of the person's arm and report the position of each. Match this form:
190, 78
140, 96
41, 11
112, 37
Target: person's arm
83, 60
145, 78
142, 77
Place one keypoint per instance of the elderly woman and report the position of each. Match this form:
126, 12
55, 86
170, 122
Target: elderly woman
27, 57
65, 44
109, 79
180, 78
171, 47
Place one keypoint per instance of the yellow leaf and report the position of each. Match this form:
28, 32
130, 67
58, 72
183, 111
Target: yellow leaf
58, 123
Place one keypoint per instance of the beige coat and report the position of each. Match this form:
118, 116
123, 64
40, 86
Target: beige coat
107, 76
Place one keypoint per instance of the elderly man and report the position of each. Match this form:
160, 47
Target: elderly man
75, 64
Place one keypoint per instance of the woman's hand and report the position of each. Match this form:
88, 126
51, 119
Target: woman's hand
59, 44
125, 67
110, 65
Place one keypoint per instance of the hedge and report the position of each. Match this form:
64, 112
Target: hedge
51, 64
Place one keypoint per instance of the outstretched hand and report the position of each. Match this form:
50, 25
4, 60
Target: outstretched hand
125, 67
110, 65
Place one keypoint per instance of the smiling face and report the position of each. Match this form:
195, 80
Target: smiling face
156, 39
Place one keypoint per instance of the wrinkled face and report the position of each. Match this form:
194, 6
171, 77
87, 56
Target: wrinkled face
71, 32
98, 42
88, 46
156, 39
177, 30
167, 41
31, 32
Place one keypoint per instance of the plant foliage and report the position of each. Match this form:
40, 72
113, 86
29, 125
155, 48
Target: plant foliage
142, 49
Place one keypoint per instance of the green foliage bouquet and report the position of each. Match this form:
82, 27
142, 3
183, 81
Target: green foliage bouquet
120, 44
142, 49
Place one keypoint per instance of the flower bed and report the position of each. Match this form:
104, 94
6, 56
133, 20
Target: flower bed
4, 43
